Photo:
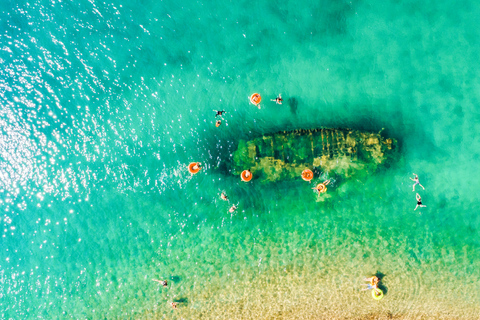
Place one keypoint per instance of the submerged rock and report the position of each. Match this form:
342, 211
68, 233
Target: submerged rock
284, 155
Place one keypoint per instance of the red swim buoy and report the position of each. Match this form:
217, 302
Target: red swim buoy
246, 175
194, 167
255, 99
307, 175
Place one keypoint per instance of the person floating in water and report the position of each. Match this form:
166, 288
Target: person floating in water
219, 112
162, 282
174, 305
279, 99
419, 202
218, 123
321, 187
232, 209
373, 283
416, 182
223, 196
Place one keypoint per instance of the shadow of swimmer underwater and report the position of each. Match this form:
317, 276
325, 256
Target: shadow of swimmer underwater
336, 153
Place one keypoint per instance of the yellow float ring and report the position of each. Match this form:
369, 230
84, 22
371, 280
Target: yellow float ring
194, 167
321, 188
376, 296
307, 175
255, 98
244, 176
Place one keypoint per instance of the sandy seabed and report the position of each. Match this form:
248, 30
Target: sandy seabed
319, 286
284, 298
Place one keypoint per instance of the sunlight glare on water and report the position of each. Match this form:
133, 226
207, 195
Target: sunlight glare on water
103, 105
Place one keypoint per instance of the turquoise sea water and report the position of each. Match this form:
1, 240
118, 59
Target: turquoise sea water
103, 104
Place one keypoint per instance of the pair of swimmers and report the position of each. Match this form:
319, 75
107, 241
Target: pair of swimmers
164, 283
278, 100
224, 197
419, 199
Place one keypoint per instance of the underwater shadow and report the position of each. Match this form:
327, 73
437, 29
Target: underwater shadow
181, 300
381, 286
293, 105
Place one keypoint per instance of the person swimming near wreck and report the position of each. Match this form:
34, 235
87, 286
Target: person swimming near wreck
278, 99
219, 112
416, 182
419, 202
162, 282
246, 175
322, 187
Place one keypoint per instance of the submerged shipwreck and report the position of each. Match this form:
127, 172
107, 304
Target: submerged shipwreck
339, 152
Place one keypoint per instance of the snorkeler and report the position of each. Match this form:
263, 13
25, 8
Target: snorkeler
162, 282
219, 113
218, 123
419, 202
223, 196
232, 209
416, 182
279, 99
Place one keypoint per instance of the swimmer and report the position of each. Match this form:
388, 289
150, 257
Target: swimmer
419, 202
248, 173
218, 123
219, 113
416, 182
319, 188
174, 305
372, 280
373, 283
279, 99
194, 167
223, 196
162, 282
232, 209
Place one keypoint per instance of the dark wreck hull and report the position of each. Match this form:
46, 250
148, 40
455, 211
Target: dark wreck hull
284, 155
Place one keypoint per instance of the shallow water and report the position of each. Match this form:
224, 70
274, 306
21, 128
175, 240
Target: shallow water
104, 104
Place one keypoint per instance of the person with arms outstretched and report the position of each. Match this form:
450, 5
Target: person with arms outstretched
279, 99
416, 182
219, 113
162, 282
419, 202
